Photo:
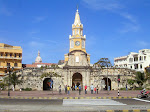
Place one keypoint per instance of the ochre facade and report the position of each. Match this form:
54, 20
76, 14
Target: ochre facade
10, 55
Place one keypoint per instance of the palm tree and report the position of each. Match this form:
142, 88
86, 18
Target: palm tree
140, 78
14, 79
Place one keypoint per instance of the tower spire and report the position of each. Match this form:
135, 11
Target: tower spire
77, 17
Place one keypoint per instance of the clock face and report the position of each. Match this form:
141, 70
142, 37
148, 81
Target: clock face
77, 43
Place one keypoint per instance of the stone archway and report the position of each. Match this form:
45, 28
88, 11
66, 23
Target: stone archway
77, 79
47, 84
109, 83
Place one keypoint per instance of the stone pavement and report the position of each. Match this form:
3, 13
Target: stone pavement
73, 95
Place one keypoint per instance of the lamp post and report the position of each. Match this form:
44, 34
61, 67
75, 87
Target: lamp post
9, 70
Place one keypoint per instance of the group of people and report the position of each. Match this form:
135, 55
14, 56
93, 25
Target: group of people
67, 89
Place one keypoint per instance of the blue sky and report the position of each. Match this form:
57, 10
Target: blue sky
113, 28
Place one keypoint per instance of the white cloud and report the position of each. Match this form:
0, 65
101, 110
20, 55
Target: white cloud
115, 6
103, 4
143, 43
36, 44
129, 27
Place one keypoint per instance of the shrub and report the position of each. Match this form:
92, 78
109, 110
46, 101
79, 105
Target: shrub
27, 89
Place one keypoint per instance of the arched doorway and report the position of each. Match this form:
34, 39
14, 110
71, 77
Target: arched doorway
47, 84
76, 79
109, 83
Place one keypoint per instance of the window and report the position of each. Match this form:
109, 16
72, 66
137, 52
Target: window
72, 44
141, 66
6, 54
10, 54
136, 66
144, 57
130, 66
8, 64
140, 58
131, 59
135, 58
83, 44
77, 58
77, 31
15, 64
1, 54
15, 55
19, 55
81, 32
73, 32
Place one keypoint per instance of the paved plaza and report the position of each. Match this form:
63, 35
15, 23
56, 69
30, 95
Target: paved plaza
73, 94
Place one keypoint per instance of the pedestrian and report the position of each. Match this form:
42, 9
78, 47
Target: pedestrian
75, 87
97, 89
85, 89
68, 89
126, 87
92, 87
79, 89
59, 89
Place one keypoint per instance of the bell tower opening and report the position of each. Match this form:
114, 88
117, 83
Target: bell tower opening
77, 79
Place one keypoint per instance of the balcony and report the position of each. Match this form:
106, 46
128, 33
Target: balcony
8, 57
14, 67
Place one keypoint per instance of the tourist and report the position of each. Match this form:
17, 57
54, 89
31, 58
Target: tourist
75, 87
95, 90
68, 89
79, 89
92, 87
60, 89
85, 89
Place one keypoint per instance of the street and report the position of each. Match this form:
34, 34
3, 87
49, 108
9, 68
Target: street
95, 105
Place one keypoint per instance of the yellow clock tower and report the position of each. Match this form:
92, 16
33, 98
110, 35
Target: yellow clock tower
77, 40
77, 55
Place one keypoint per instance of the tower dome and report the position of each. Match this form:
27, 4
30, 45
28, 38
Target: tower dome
38, 58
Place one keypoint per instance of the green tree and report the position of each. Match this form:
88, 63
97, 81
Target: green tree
14, 79
103, 62
50, 74
140, 78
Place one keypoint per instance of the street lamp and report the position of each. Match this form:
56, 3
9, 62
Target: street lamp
9, 70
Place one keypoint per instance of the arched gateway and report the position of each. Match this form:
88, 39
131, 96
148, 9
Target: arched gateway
109, 83
47, 84
77, 79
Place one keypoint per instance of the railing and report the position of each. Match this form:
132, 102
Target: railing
6, 57
10, 48
14, 67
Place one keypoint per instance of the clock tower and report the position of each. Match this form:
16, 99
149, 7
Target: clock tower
77, 55
77, 40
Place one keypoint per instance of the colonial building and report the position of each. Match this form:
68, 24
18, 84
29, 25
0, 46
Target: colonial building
76, 69
10, 55
38, 63
135, 61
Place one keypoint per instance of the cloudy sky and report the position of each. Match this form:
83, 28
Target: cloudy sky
113, 28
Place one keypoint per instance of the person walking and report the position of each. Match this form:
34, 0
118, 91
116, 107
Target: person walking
59, 89
68, 89
85, 89
97, 89
79, 89
92, 87
75, 87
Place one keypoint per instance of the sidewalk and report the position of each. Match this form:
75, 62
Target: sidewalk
72, 95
